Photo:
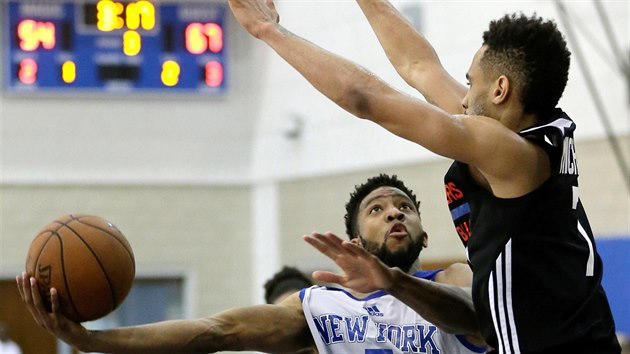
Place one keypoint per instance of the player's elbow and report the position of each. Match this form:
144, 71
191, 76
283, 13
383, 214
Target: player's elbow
361, 101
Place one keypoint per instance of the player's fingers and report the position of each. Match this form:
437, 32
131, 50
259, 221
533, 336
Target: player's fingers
27, 295
327, 277
333, 242
20, 285
34, 302
320, 246
54, 300
354, 249
270, 4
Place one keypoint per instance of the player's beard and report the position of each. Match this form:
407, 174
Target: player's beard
402, 258
477, 109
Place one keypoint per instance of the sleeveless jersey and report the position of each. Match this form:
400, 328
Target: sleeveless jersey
377, 324
536, 271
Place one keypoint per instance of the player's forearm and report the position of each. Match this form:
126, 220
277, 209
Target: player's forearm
448, 307
406, 48
413, 56
198, 336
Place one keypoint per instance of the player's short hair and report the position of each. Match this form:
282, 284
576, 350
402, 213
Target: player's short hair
361, 191
287, 279
534, 56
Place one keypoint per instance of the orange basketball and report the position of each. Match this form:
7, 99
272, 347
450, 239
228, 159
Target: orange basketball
88, 260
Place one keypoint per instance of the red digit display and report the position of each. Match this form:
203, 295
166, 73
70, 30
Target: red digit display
114, 46
201, 37
196, 42
215, 37
27, 74
33, 34
214, 73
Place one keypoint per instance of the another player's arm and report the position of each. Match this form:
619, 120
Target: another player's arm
460, 274
447, 306
501, 155
265, 328
413, 57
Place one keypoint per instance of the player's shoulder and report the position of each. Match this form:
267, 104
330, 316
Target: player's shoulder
458, 274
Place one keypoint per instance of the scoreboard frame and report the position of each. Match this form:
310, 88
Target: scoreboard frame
114, 47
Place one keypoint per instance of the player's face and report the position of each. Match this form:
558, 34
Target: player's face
478, 97
390, 227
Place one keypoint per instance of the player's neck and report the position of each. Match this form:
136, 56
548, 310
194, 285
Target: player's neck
415, 267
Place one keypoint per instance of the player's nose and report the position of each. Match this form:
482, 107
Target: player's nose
395, 214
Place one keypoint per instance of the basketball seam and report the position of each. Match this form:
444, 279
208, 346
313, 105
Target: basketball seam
48, 230
63, 270
41, 250
129, 253
98, 260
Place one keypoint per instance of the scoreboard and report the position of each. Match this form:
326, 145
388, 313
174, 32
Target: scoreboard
114, 46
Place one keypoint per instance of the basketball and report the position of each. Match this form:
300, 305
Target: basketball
88, 260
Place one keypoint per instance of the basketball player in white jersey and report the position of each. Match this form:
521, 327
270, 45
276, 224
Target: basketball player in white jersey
386, 223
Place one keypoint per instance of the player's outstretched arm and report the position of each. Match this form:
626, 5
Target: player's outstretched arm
413, 57
448, 307
265, 328
503, 157
355, 89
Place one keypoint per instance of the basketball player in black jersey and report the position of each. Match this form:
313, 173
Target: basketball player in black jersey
512, 189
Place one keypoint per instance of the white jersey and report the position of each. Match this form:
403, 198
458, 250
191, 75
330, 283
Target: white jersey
377, 324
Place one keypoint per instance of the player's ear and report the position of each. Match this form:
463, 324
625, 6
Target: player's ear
425, 239
357, 241
501, 90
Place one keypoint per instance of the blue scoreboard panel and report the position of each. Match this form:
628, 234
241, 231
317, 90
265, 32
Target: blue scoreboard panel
114, 46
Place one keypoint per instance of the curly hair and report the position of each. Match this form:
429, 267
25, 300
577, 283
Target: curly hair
361, 191
534, 56
287, 279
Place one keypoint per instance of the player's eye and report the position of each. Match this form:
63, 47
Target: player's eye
375, 209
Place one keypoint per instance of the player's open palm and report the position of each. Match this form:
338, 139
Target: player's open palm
363, 272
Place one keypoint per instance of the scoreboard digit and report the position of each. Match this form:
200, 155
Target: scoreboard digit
114, 46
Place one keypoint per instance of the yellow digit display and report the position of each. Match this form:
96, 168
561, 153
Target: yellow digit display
109, 15
68, 72
132, 43
141, 13
113, 15
170, 73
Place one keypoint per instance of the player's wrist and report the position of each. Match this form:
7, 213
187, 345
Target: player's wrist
392, 276
84, 339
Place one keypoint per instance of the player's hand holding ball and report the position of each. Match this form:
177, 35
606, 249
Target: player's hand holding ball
88, 262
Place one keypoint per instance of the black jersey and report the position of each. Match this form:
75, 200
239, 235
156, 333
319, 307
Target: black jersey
536, 271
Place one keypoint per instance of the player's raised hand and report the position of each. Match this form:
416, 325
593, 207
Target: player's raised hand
254, 15
363, 272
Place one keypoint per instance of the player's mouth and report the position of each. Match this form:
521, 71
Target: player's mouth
398, 230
